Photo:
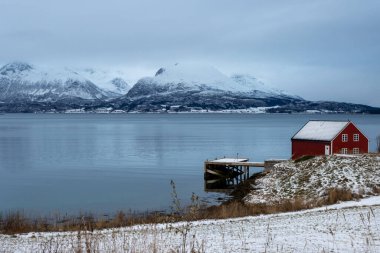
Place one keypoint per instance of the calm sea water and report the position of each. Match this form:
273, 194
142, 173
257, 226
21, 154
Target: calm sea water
103, 163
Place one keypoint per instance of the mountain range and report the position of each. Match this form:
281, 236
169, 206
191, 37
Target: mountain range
181, 87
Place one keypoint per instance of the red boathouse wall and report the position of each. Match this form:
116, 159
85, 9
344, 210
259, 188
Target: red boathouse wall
305, 147
350, 130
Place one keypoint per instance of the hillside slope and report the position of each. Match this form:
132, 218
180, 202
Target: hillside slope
313, 178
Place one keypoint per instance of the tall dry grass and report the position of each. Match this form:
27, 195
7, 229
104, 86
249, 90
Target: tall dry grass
185, 237
18, 222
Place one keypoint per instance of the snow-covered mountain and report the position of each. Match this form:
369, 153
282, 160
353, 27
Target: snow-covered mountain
24, 82
205, 79
112, 81
182, 87
203, 87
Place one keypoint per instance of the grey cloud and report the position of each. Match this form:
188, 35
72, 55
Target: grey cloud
291, 44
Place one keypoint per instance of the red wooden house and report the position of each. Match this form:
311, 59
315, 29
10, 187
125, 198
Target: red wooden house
328, 137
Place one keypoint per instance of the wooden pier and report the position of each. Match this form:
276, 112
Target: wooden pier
225, 173
229, 167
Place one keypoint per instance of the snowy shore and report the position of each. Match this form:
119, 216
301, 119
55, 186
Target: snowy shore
352, 226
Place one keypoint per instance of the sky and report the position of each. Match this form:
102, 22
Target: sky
320, 50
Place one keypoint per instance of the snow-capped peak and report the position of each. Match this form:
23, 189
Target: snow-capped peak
114, 81
15, 67
32, 74
20, 80
192, 74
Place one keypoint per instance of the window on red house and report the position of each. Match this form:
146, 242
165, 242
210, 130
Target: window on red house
344, 137
344, 151
356, 137
355, 151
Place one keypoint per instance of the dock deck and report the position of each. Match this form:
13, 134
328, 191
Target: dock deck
229, 167
235, 162
225, 173
228, 172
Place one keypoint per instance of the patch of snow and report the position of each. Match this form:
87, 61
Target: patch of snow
75, 111
253, 110
313, 111
311, 179
230, 160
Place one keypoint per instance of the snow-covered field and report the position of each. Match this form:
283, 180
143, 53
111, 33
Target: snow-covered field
346, 227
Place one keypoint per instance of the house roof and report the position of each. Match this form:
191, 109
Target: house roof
320, 130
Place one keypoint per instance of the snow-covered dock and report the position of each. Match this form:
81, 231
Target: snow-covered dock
229, 167
225, 173
225, 167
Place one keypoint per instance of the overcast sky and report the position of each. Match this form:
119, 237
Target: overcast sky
320, 50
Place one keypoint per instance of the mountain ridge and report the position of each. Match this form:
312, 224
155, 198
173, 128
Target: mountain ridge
19, 80
177, 88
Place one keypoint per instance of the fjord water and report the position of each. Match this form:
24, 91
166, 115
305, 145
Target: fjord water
109, 162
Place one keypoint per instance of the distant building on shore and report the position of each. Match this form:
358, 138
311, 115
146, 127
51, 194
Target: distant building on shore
327, 138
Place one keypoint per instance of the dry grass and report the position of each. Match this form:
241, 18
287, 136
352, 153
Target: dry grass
335, 194
18, 222
359, 235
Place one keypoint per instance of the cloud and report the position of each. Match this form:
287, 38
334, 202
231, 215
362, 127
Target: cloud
290, 44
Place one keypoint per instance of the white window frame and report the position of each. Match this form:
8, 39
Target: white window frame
344, 137
356, 137
356, 151
344, 151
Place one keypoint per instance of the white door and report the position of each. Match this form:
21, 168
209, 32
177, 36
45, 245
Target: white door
327, 150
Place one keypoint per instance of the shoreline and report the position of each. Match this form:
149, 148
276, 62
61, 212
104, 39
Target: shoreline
232, 207
328, 228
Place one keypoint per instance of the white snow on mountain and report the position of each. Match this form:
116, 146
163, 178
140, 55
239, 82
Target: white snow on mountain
115, 81
194, 75
200, 77
20, 80
48, 83
32, 74
252, 83
91, 83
